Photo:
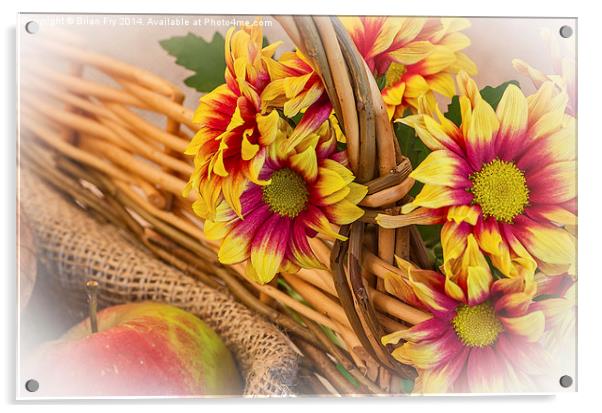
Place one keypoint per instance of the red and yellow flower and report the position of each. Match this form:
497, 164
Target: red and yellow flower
295, 88
489, 345
416, 56
505, 179
308, 189
230, 146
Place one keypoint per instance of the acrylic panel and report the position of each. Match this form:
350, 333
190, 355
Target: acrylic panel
219, 206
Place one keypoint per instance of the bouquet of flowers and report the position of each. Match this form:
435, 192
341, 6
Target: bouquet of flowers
278, 164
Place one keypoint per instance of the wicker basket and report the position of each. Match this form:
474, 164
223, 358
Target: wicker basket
106, 151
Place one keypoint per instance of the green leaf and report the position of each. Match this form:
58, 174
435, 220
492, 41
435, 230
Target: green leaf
347, 375
430, 234
453, 111
491, 95
204, 58
381, 81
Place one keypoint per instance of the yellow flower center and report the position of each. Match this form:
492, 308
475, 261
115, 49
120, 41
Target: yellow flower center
394, 73
286, 194
500, 188
477, 326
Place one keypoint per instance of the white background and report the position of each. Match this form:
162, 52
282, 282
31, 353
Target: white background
590, 198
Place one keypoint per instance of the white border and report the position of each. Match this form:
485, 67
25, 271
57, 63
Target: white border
590, 196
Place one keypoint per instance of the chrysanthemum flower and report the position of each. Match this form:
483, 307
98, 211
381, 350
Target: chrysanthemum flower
309, 188
505, 177
416, 56
490, 345
295, 88
234, 131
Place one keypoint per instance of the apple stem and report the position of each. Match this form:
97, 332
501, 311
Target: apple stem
92, 290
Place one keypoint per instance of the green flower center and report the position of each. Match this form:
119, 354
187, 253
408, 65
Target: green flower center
477, 326
500, 188
394, 73
286, 194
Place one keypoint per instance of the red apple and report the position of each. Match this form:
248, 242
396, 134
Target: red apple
145, 349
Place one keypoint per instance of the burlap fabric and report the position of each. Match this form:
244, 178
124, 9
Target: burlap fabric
74, 248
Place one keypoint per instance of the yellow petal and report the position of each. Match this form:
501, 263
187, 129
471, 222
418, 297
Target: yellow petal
536, 76
478, 283
338, 196
412, 53
217, 164
199, 207
322, 225
468, 87
463, 213
345, 212
483, 125
407, 28
453, 241
329, 182
429, 131
530, 326
234, 248
560, 216
463, 63
512, 111
439, 168
394, 337
456, 41
442, 83
273, 95
306, 162
393, 95
431, 196
357, 192
473, 257
268, 126
453, 290
416, 86
302, 101
440, 58
549, 244
248, 149
215, 230
232, 189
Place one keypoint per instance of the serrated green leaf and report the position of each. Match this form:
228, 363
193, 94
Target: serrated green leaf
491, 95
204, 58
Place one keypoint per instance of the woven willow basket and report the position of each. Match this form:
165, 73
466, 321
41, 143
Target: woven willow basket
103, 147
